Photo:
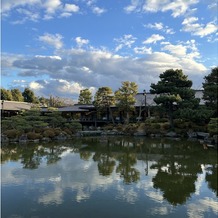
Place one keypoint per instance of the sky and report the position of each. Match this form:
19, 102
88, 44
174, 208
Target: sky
59, 47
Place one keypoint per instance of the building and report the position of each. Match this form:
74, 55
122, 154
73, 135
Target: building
87, 114
11, 108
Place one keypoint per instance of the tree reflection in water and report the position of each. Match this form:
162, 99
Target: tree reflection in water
177, 163
211, 178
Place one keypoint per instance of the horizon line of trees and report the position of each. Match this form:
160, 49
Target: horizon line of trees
174, 96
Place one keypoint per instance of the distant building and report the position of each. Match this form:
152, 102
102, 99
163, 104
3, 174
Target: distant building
10, 108
87, 113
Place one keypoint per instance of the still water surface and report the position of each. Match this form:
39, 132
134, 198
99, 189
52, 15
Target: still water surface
109, 177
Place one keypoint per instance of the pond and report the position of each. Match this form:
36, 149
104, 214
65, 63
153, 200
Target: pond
109, 177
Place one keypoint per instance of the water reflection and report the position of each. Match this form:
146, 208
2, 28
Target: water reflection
153, 175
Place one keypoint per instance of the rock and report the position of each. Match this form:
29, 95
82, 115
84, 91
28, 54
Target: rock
4, 139
202, 135
46, 139
23, 138
61, 136
171, 134
192, 134
139, 134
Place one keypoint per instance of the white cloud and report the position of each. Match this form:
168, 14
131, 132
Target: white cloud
70, 70
132, 7
125, 41
190, 25
177, 50
160, 26
157, 26
9, 5
49, 9
186, 53
154, 5
54, 40
80, 42
143, 50
98, 11
71, 8
35, 85
153, 39
52, 5
178, 7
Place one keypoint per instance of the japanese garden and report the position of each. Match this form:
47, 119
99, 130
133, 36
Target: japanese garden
147, 154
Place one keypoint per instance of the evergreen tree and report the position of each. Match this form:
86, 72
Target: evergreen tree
85, 97
210, 92
17, 95
6, 95
174, 92
125, 97
104, 99
29, 96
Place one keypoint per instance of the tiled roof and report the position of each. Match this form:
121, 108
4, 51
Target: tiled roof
140, 101
15, 105
140, 98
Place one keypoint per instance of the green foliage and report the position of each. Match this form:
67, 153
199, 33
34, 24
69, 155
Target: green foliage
12, 134
210, 93
213, 126
50, 133
108, 127
29, 96
174, 91
85, 97
200, 115
104, 98
33, 136
130, 128
55, 119
6, 95
125, 97
73, 126
17, 95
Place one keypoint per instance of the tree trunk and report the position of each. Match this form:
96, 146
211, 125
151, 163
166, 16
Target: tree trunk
127, 117
170, 114
112, 118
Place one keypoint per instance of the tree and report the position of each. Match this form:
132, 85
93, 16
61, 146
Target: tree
17, 95
85, 97
29, 96
210, 93
125, 97
174, 92
104, 99
56, 101
6, 95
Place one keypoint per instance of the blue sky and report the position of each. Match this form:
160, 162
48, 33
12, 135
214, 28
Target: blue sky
58, 47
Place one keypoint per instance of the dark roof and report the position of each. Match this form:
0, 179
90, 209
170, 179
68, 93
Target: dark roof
15, 105
74, 108
140, 98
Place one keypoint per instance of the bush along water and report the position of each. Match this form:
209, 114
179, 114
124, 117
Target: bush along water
32, 126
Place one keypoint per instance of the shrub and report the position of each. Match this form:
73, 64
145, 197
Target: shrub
33, 135
165, 126
213, 126
119, 127
49, 133
57, 131
108, 127
73, 126
155, 126
12, 134
68, 132
130, 128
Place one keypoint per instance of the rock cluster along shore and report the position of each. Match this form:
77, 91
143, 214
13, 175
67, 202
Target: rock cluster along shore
202, 136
